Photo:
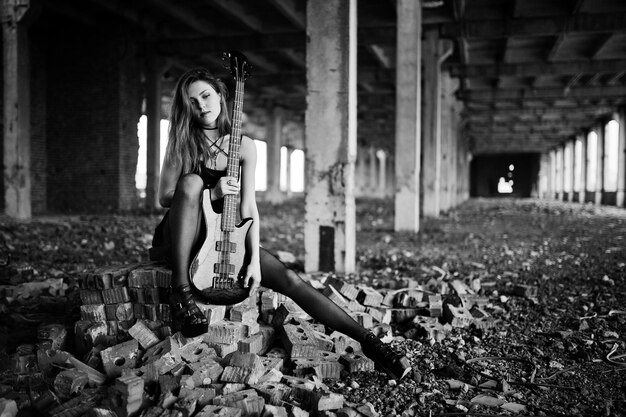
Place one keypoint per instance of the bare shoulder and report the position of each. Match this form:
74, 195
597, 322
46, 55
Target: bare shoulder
248, 148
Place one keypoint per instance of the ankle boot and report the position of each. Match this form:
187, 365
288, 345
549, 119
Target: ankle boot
394, 363
188, 317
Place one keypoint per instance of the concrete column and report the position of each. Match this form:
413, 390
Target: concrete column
431, 140
330, 131
600, 165
16, 108
408, 113
288, 170
372, 178
552, 175
559, 172
382, 172
582, 194
274, 143
571, 145
154, 72
621, 162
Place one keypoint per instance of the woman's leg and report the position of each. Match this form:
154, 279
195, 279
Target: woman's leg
276, 276
185, 222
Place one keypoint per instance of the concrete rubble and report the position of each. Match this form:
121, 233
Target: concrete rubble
263, 357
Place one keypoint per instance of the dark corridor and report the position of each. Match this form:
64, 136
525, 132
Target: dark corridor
504, 175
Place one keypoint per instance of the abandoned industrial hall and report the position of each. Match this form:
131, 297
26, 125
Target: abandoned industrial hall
450, 173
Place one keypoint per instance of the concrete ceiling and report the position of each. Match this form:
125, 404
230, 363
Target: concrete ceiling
532, 72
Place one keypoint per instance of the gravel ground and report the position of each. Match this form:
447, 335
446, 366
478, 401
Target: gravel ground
547, 353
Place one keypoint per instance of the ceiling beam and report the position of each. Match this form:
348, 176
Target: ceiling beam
382, 55
264, 42
599, 47
236, 11
290, 9
547, 93
541, 26
558, 41
185, 16
534, 69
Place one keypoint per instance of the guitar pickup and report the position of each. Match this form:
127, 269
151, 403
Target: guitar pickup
221, 246
224, 268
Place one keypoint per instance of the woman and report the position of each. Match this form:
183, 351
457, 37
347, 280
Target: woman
196, 159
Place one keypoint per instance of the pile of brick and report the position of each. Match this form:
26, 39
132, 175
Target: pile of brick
263, 357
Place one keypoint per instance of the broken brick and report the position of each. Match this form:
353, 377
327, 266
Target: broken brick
346, 289
213, 313
251, 344
219, 411
248, 401
143, 335
457, 316
119, 312
126, 395
195, 351
357, 362
369, 297
435, 305
224, 332
70, 382
317, 400
299, 340
165, 355
528, 291
118, 357
93, 313
205, 372
273, 392
116, 295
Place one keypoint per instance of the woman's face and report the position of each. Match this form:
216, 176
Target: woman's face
206, 103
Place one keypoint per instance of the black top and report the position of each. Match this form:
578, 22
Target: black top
211, 176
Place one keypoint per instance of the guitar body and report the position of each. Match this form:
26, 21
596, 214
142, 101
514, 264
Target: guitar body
202, 270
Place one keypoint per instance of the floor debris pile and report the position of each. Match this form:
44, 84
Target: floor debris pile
265, 356
503, 308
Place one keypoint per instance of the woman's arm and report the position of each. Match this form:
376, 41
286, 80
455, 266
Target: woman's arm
167, 184
248, 208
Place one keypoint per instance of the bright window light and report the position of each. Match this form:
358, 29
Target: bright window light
261, 165
505, 187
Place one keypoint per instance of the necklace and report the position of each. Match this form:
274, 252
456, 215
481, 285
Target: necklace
218, 148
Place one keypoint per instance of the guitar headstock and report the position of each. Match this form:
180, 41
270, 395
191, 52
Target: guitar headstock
238, 65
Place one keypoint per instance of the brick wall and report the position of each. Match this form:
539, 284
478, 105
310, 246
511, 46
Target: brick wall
93, 100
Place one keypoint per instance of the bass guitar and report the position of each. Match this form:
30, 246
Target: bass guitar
218, 268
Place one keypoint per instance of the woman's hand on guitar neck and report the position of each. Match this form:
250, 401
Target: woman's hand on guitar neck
253, 276
225, 186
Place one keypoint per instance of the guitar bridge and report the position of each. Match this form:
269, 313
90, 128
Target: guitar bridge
223, 282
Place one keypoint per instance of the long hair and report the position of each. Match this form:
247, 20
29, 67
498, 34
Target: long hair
186, 141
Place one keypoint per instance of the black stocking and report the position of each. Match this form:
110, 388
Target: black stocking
276, 276
185, 225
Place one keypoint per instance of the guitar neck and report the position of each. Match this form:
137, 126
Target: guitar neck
232, 169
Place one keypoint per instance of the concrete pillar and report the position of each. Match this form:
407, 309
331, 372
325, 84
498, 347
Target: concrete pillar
372, 178
431, 140
621, 162
582, 194
16, 109
552, 175
274, 143
600, 165
154, 72
330, 131
560, 155
408, 113
360, 177
382, 172
571, 169
288, 170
